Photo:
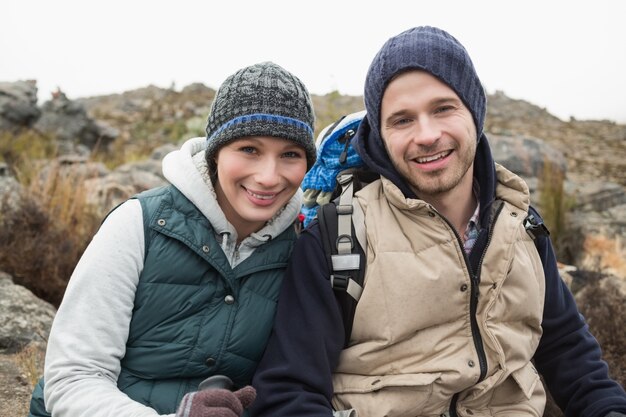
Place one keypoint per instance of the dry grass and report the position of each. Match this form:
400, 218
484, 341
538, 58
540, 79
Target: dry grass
554, 203
42, 240
30, 361
18, 150
19, 372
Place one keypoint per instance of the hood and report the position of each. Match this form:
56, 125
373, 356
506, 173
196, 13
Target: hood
187, 170
369, 145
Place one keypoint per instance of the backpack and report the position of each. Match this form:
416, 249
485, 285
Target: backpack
329, 186
334, 154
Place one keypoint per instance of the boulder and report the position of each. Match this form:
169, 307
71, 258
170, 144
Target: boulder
526, 156
10, 193
18, 105
127, 180
24, 317
68, 122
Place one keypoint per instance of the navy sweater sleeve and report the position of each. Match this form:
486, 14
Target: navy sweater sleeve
294, 377
568, 356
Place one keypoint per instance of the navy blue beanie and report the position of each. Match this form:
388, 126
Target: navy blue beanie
432, 50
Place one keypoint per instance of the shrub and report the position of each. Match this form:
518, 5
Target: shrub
42, 239
18, 149
603, 304
553, 202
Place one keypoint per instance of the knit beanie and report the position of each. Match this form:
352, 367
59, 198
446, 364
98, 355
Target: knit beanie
434, 51
261, 100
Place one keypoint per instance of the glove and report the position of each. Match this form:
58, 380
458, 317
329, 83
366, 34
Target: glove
216, 403
615, 414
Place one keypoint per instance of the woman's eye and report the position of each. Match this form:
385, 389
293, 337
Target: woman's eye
292, 154
401, 122
247, 149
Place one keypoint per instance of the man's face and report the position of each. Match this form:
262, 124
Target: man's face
429, 134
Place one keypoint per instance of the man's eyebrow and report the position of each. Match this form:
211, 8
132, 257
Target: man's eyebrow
445, 100
401, 112
435, 102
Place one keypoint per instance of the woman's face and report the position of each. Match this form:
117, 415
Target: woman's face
256, 177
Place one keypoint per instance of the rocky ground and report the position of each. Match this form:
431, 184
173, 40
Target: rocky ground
25, 322
15, 390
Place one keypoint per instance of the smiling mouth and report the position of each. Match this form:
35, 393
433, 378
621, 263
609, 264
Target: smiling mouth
432, 158
266, 196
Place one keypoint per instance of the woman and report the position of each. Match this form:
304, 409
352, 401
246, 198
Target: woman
180, 283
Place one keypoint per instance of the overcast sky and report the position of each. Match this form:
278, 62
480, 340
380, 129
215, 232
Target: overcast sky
568, 56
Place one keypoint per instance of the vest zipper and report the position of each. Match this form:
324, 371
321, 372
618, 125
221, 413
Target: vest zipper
475, 292
236, 252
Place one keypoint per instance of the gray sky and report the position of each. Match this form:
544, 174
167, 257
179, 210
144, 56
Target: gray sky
568, 56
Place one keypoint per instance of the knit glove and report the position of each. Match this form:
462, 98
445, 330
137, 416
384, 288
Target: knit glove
216, 403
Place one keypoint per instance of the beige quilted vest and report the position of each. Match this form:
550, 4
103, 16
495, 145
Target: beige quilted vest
412, 346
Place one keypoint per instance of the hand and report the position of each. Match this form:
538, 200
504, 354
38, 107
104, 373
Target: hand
216, 403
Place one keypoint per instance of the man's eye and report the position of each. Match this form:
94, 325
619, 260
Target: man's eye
443, 109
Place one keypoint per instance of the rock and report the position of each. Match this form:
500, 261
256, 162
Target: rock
197, 89
10, 194
18, 105
159, 153
597, 196
596, 226
107, 192
526, 156
68, 122
4, 170
76, 168
24, 317
127, 180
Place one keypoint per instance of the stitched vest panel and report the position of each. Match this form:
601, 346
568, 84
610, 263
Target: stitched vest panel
194, 316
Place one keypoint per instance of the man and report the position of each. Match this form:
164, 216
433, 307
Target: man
461, 306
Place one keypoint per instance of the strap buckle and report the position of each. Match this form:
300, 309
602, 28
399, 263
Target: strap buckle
535, 228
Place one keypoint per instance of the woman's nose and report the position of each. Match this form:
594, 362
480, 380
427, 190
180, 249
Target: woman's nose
268, 172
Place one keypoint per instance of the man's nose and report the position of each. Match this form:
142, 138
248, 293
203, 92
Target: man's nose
427, 131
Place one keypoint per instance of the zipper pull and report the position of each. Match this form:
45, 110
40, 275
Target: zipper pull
347, 137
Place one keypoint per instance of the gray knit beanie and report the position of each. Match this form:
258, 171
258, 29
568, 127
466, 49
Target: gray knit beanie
261, 100
432, 50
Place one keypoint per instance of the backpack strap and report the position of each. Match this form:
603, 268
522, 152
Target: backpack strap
345, 259
344, 254
535, 227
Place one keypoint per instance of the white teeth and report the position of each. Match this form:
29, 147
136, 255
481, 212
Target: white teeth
432, 157
261, 197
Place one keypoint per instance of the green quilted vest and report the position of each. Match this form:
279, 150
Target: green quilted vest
195, 316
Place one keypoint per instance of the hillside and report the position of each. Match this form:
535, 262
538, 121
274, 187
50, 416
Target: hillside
594, 149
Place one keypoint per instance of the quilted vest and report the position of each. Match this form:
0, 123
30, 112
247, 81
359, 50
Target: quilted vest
195, 316
413, 345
